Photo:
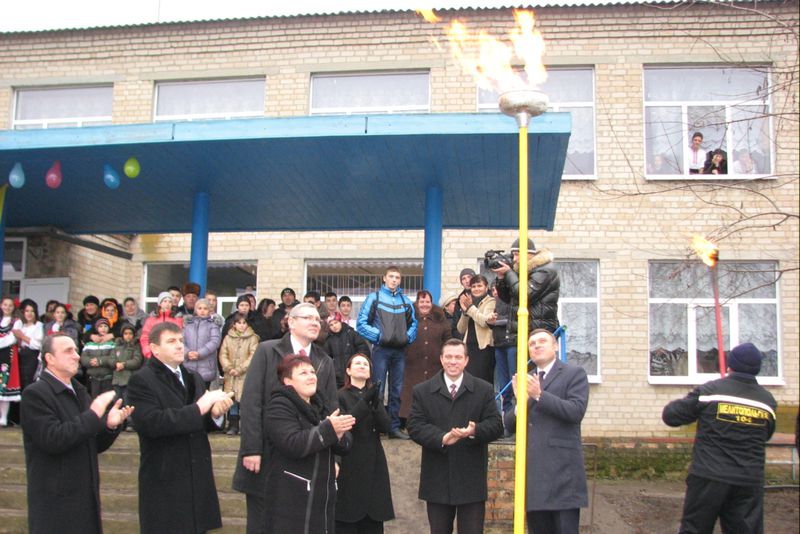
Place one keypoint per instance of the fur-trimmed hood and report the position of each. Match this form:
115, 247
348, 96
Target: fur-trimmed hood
542, 257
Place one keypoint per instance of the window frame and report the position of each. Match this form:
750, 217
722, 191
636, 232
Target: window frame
367, 110
64, 122
598, 377
14, 276
732, 306
556, 107
207, 116
729, 106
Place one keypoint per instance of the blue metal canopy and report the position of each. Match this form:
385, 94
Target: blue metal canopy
300, 173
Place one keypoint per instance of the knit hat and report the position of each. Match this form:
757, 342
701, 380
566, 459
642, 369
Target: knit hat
100, 321
191, 288
444, 301
164, 295
745, 358
287, 290
531, 246
127, 326
91, 299
465, 272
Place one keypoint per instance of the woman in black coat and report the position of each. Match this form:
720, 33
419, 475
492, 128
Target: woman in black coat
364, 501
301, 479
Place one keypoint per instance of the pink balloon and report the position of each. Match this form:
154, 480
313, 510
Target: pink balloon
53, 176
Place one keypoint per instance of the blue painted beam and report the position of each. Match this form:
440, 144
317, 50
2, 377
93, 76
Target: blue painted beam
432, 266
198, 266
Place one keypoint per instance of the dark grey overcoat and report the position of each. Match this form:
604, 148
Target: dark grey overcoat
556, 478
177, 493
62, 437
261, 379
456, 474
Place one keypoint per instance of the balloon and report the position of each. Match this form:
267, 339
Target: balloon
132, 168
110, 176
53, 176
17, 176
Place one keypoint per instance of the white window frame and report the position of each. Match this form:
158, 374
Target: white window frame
372, 110
64, 122
596, 378
556, 107
686, 134
732, 306
181, 117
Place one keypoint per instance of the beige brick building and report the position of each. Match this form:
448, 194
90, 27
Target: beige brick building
616, 216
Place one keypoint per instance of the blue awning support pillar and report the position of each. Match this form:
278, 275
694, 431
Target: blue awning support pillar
198, 260
432, 267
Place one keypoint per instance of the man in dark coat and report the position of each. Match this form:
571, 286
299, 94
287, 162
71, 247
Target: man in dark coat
454, 417
261, 379
177, 493
63, 430
735, 417
556, 480
543, 288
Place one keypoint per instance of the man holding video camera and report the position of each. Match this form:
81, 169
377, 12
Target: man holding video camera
543, 286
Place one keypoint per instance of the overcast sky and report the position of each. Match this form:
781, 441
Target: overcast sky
22, 15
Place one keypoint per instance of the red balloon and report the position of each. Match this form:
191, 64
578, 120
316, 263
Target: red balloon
53, 176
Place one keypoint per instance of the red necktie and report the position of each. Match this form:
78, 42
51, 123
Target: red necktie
453, 391
302, 353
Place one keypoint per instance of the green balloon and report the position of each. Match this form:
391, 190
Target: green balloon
132, 168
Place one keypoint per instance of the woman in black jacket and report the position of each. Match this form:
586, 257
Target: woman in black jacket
301, 479
364, 501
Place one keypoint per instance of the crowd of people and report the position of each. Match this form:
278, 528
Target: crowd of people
311, 389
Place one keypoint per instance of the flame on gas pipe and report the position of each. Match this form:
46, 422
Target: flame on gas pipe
495, 64
705, 250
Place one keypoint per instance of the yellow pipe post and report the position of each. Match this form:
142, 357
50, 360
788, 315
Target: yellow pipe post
522, 340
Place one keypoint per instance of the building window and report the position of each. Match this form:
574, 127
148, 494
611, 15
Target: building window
683, 335
381, 92
579, 313
359, 278
570, 90
729, 106
228, 279
209, 99
62, 107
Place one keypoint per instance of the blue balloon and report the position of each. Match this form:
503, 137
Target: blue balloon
17, 176
110, 176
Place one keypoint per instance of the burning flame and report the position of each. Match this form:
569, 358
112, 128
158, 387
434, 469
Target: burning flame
428, 15
705, 250
493, 64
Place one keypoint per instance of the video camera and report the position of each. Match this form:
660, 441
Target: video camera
493, 259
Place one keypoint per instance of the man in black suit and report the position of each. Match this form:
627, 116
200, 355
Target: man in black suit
454, 417
556, 479
63, 429
177, 493
261, 379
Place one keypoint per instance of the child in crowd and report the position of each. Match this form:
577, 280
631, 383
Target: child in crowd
98, 358
201, 337
341, 344
127, 359
234, 357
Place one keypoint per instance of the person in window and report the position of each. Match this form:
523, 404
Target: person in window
696, 158
717, 162
303, 438
659, 165
744, 163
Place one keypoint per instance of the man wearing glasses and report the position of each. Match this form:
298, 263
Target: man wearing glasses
261, 379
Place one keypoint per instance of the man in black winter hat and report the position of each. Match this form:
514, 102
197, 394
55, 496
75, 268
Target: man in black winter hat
735, 418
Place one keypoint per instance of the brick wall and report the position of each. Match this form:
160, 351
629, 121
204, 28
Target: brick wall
619, 219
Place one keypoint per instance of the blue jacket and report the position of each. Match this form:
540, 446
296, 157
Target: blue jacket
393, 324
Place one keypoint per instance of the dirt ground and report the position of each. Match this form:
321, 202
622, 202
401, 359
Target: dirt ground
644, 507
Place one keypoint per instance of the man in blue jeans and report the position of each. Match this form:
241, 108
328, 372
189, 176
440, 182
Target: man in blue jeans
387, 321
